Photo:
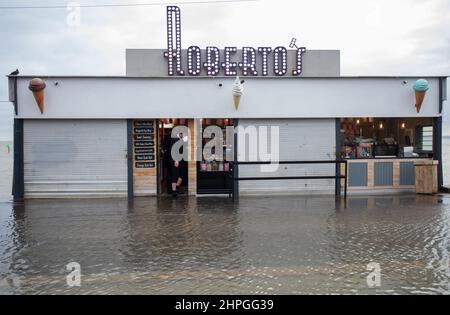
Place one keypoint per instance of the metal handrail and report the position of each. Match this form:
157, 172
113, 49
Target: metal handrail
337, 177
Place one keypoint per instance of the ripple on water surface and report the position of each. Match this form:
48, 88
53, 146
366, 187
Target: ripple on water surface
291, 245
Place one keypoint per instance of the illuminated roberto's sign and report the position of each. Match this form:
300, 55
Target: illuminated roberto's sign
253, 61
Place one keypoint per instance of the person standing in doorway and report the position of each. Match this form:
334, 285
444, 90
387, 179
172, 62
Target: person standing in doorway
167, 161
177, 168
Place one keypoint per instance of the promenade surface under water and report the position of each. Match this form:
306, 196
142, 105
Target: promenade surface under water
281, 245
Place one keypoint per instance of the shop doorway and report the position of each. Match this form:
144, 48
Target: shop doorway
173, 177
214, 172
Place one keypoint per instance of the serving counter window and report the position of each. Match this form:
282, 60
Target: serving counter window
368, 138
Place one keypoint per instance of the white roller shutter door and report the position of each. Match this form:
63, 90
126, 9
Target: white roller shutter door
299, 140
78, 158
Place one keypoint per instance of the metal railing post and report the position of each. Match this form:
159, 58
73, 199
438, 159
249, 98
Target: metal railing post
346, 180
235, 181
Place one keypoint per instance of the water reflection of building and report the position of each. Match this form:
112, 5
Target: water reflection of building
385, 229
50, 234
167, 234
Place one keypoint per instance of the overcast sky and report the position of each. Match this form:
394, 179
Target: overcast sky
376, 37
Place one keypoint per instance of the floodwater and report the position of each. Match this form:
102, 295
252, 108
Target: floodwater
269, 245
282, 245
6, 170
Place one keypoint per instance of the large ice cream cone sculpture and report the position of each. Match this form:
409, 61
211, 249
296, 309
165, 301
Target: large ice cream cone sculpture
238, 89
37, 86
420, 88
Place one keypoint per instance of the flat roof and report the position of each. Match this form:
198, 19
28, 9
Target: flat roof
225, 77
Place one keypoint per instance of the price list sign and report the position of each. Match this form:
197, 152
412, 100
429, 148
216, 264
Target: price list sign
144, 144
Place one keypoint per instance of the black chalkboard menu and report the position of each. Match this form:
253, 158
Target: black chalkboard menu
144, 137
145, 164
144, 150
144, 144
143, 123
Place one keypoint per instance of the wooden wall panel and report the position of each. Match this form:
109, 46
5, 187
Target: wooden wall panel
145, 179
192, 164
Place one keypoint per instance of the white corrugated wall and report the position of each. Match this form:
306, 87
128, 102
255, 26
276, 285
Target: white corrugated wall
299, 140
75, 158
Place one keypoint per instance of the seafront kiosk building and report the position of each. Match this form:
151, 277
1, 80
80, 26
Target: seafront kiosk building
94, 137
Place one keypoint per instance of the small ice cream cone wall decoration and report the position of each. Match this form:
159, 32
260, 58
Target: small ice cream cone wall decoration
37, 86
238, 90
420, 88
